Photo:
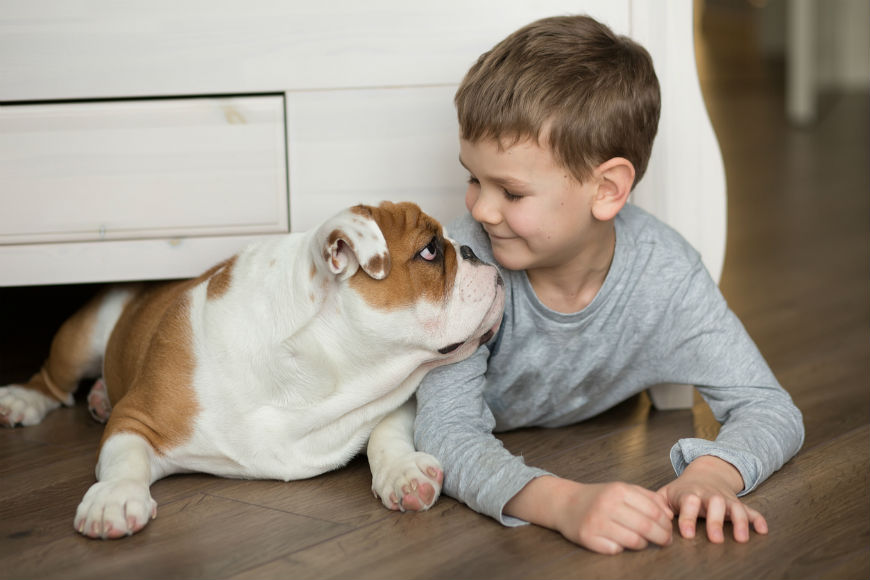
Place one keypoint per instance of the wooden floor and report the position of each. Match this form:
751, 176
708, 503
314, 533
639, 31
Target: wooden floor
796, 272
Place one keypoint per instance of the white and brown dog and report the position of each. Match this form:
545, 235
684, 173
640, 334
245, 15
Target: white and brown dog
279, 363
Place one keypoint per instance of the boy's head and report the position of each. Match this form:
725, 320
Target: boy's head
570, 84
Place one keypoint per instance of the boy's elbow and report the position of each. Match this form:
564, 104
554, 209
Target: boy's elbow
791, 431
799, 428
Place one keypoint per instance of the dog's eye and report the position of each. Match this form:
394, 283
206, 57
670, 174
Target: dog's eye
430, 252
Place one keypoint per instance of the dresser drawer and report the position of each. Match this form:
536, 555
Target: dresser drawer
142, 169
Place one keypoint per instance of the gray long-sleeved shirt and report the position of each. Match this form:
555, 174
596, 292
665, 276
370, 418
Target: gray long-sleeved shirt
658, 318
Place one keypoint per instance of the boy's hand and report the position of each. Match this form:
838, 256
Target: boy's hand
606, 518
708, 488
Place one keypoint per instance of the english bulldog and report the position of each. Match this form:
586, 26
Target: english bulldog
282, 362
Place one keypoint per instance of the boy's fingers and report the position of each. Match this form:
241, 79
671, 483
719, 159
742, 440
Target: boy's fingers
716, 519
740, 522
662, 501
644, 520
629, 538
690, 506
652, 505
757, 520
635, 531
603, 545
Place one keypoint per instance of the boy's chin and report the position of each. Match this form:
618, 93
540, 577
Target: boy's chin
511, 260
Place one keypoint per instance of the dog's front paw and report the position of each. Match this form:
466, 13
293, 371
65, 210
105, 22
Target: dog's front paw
114, 509
410, 482
23, 406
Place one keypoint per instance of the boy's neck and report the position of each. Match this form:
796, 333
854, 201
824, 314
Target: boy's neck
571, 286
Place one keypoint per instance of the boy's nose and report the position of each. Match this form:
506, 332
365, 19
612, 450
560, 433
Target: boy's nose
483, 210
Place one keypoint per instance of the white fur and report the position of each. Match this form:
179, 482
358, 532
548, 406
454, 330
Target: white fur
394, 461
110, 311
25, 406
120, 503
295, 372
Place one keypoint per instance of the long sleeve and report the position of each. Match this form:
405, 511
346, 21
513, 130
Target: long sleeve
455, 425
761, 428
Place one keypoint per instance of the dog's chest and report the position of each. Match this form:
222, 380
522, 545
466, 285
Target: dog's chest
271, 442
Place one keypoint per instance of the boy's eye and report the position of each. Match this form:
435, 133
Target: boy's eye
473, 180
511, 197
430, 252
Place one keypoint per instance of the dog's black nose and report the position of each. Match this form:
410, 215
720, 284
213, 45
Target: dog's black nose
468, 254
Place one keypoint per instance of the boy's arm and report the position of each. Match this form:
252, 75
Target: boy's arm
455, 425
761, 428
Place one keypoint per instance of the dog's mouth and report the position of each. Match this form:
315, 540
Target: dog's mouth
483, 340
450, 347
494, 313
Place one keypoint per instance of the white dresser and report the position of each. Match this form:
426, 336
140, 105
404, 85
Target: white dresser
145, 140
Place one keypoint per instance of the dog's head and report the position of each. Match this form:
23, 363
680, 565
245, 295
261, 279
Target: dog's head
426, 291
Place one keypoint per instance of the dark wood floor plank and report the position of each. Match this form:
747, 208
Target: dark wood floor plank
342, 496
809, 537
201, 536
434, 544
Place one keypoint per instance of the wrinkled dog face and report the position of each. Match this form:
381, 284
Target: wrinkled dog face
431, 284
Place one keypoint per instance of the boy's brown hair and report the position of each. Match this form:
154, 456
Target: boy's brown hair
569, 82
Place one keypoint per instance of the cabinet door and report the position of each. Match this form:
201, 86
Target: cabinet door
142, 169
371, 145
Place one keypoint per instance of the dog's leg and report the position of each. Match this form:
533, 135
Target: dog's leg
402, 477
76, 352
120, 503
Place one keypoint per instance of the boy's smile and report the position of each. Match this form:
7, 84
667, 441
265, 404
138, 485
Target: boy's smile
539, 218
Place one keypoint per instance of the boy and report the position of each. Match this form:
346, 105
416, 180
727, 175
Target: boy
556, 126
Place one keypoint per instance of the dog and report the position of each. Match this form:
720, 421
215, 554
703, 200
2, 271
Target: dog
281, 362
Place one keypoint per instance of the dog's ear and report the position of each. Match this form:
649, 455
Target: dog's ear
351, 240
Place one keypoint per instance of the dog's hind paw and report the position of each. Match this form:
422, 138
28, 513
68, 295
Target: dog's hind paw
23, 406
99, 405
410, 482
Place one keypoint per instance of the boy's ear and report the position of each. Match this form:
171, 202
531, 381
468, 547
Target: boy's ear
615, 178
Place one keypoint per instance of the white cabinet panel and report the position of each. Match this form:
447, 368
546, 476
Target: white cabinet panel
370, 145
142, 169
61, 49
121, 260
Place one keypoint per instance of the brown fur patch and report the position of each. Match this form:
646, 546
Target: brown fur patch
363, 210
407, 230
149, 366
219, 278
376, 265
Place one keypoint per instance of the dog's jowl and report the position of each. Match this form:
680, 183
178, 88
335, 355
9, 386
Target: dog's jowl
282, 362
